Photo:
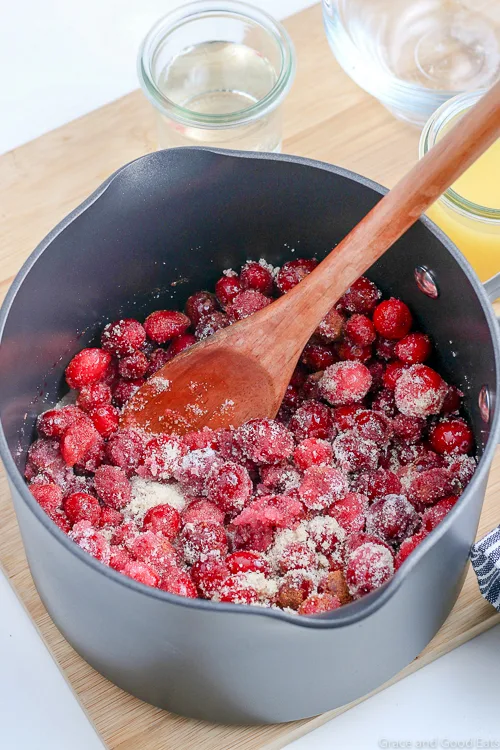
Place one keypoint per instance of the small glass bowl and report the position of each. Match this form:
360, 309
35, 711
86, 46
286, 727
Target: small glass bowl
413, 55
217, 73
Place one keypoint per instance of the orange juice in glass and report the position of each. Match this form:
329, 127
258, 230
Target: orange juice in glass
469, 211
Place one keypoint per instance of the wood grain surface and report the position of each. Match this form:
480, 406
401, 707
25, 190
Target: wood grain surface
328, 118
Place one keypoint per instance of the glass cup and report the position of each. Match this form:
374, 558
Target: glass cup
217, 74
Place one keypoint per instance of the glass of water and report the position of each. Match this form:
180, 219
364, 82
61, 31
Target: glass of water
217, 73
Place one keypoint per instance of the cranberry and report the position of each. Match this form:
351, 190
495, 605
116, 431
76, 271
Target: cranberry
209, 575
227, 288
321, 486
162, 519
192, 470
385, 349
408, 429
392, 373
118, 558
157, 360
317, 356
54, 422
113, 486
312, 420
292, 272
451, 436
354, 454
125, 389
161, 457
80, 506
385, 402
257, 276
461, 467
299, 377
408, 546
123, 337
379, 483
246, 303
361, 297
297, 555
94, 457
110, 518
141, 572
202, 540
326, 533
164, 325
229, 486
429, 486
350, 511
199, 305
360, 330
279, 478
125, 535
210, 324
86, 367
347, 351
177, 581
296, 587
356, 540
291, 399
133, 366
420, 391
48, 496
125, 449
105, 419
277, 511
452, 400
331, 327
234, 591
205, 438
345, 383
90, 540
154, 550
392, 518
334, 583
372, 425
252, 537
264, 441
312, 452
392, 319
92, 396
368, 567
433, 516
245, 561
77, 440
202, 510
377, 370
344, 416
414, 348
319, 603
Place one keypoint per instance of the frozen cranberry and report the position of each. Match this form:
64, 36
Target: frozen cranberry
331, 327
125, 449
236, 591
246, 303
229, 486
92, 396
414, 348
265, 441
310, 389
452, 400
192, 469
429, 486
326, 533
379, 483
385, 402
202, 540
372, 425
257, 276
291, 399
345, 383
86, 367
154, 550
312, 420
94, 457
54, 422
113, 486
392, 373
227, 288
45, 455
297, 555
141, 572
392, 518
385, 349
360, 330
408, 546
377, 370
246, 536
209, 575
319, 603
77, 440
321, 486
80, 506
317, 356
133, 366
210, 324
164, 325
205, 438
199, 305
355, 454
180, 344
392, 319
361, 297
157, 359
90, 540
292, 272
161, 457
296, 587
123, 337
202, 510
433, 516
299, 377
162, 519
408, 429
177, 581
125, 535
105, 419
125, 389
110, 518
461, 467
312, 452
118, 558
344, 416
451, 436
48, 496
245, 561
347, 351
420, 391
280, 478
355, 540
277, 511
368, 567
350, 511
334, 583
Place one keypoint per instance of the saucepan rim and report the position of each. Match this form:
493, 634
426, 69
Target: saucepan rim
350, 613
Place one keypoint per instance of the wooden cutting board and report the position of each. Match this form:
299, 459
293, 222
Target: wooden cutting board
327, 117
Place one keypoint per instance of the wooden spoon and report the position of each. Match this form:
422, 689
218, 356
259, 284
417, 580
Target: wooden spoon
242, 371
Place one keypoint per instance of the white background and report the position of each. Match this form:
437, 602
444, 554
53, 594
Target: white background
58, 60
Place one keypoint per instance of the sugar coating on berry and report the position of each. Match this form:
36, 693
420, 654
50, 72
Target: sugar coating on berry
165, 325
202, 510
229, 486
331, 327
280, 478
123, 337
368, 567
53, 423
326, 533
312, 452
256, 276
80, 506
162, 519
154, 550
141, 573
113, 486
361, 297
393, 518
392, 319
292, 273
161, 457
147, 494
199, 305
408, 546
91, 541
277, 511
199, 541
354, 454
321, 486
179, 582
246, 303
192, 469
345, 383
125, 449
87, 367
350, 512
210, 324
420, 391
319, 603
265, 441
77, 440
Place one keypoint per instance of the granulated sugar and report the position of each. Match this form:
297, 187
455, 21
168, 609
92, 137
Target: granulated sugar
147, 494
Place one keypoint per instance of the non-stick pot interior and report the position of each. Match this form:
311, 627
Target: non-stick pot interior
169, 223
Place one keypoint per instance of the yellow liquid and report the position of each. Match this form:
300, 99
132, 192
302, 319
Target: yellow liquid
478, 240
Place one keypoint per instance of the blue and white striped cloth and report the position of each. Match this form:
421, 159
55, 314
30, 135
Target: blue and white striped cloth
485, 558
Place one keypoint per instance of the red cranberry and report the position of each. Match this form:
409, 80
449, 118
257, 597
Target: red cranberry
125, 535
86, 367
125, 389
408, 546
209, 575
157, 359
123, 337
177, 581
277, 511
205, 438
345, 383
356, 540
245, 561
317, 356
326, 534
265, 441
372, 425
318, 603
347, 351
368, 567
234, 591
331, 327
54, 422
202, 510
202, 540
384, 401
229, 486
110, 518
92, 459
227, 288
392, 373
125, 449
377, 370
379, 483
113, 486
92, 396
291, 399
141, 572
296, 587
164, 325
77, 440
154, 550
408, 429
80, 506
392, 319
292, 272
420, 391
199, 305
452, 400
360, 330
133, 366
312, 452
355, 454
451, 436
257, 276
344, 416
162, 519
392, 518
461, 467
90, 540
433, 516
414, 348
252, 537
210, 324
161, 457
361, 297
118, 558
385, 349
297, 555
279, 478
192, 470
429, 486
321, 486
48, 496
246, 303
312, 420
105, 419
350, 512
